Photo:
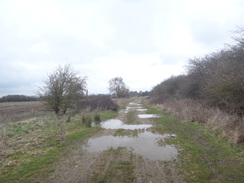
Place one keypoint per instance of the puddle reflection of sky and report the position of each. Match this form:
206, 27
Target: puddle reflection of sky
145, 145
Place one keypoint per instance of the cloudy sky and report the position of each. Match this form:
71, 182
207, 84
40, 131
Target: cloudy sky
142, 41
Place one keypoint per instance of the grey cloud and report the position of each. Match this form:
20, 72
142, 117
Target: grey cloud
209, 34
37, 37
133, 27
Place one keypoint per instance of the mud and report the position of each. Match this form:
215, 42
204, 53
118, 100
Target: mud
144, 157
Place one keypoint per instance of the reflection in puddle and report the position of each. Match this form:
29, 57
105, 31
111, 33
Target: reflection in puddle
133, 109
149, 116
145, 144
117, 124
141, 110
133, 103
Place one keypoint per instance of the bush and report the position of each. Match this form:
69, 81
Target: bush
97, 117
87, 120
97, 103
212, 91
216, 78
174, 87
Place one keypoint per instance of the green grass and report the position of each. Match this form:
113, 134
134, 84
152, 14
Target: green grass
204, 155
124, 104
32, 146
108, 114
30, 165
131, 117
117, 170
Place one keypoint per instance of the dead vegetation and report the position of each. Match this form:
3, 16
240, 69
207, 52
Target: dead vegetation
97, 103
191, 110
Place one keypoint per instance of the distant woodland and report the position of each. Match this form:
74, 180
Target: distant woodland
18, 98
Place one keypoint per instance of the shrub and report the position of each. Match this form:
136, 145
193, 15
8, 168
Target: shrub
87, 120
68, 118
97, 103
216, 78
97, 117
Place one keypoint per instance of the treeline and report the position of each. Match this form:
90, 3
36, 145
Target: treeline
138, 94
18, 98
217, 79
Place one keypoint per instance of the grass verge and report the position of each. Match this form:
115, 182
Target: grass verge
29, 148
204, 155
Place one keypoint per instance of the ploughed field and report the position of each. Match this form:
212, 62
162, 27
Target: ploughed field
17, 111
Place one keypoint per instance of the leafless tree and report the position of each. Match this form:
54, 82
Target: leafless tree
118, 88
62, 89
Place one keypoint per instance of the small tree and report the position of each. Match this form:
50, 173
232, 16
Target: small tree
62, 89
118, 88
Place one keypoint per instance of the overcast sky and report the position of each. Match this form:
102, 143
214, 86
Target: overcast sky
142, 41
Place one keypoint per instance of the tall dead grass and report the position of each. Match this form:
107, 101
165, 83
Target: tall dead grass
231, 126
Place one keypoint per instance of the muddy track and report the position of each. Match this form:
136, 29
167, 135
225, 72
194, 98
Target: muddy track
115, 164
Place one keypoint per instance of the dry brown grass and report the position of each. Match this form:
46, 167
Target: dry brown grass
231, 126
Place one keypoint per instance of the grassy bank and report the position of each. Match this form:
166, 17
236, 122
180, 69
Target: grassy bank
204, 155
29, 148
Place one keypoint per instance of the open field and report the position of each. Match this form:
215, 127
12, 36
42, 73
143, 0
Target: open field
17, 111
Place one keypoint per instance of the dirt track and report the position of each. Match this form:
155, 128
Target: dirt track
116, 164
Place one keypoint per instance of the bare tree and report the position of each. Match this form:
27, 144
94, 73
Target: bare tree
62, 89
118, 88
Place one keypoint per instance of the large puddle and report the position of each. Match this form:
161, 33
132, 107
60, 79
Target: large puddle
117, 124
134, 104
145, 144
149, 116
140, 109
133, 107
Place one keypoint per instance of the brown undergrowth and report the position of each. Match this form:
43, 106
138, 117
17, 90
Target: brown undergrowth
231, 126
